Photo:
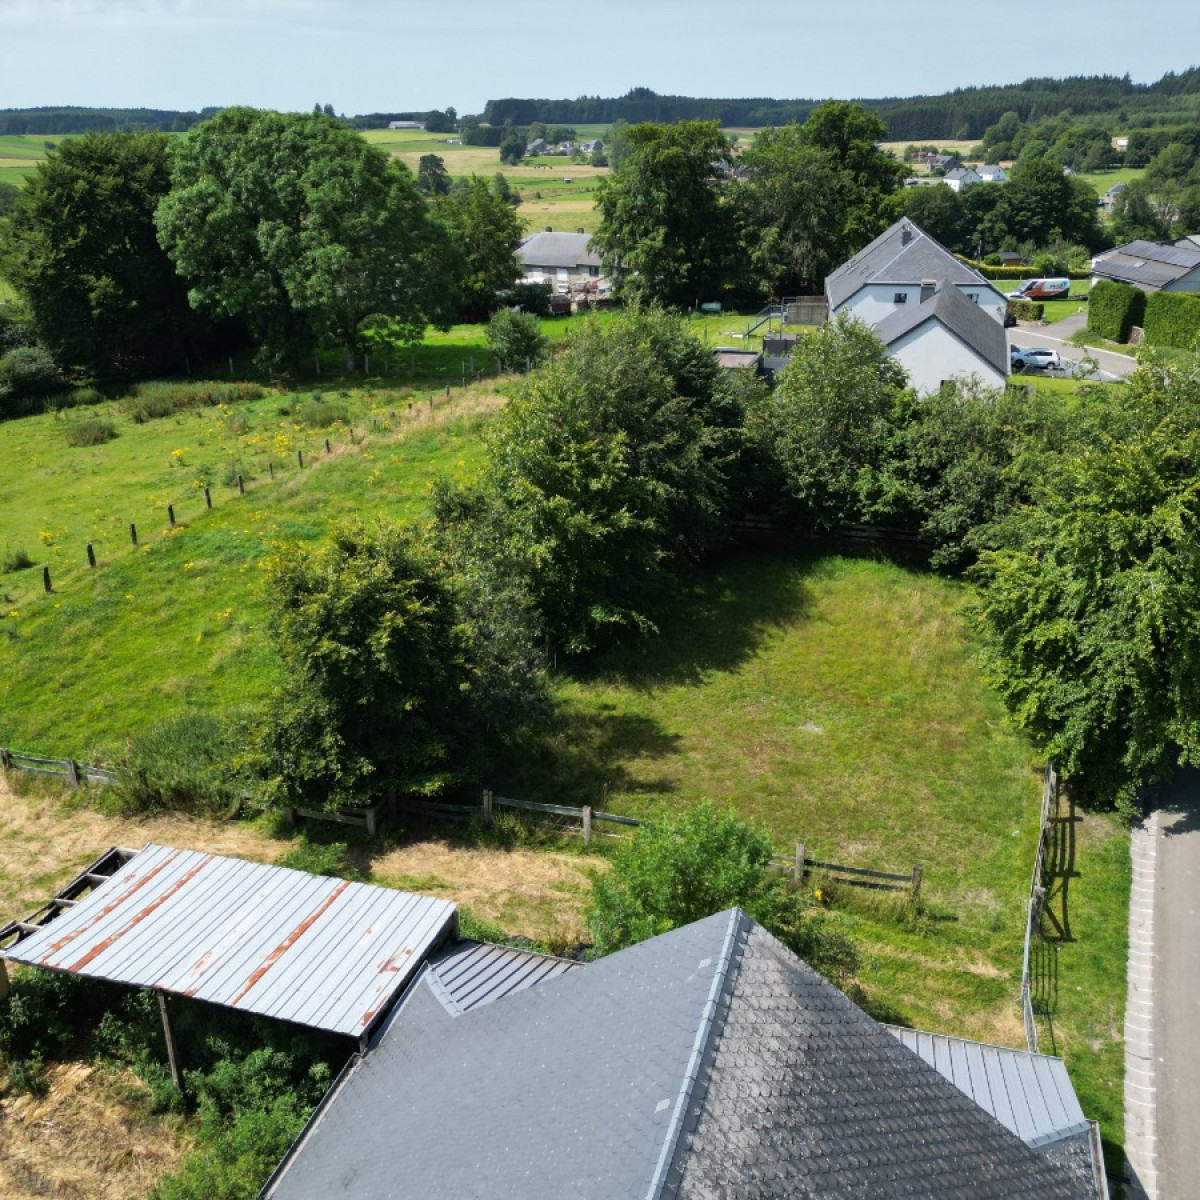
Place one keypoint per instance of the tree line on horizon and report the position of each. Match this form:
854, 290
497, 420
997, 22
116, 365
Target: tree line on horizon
961, 114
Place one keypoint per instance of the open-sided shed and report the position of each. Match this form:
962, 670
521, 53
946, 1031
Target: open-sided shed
325, 953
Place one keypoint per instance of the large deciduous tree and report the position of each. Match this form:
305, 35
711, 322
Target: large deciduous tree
80, 246
296, 224
1090, 596
377, 672
663, 232
486, 232
609, 472
813, 195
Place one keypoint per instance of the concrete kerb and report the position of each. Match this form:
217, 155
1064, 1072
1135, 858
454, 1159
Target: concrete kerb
1140, 1074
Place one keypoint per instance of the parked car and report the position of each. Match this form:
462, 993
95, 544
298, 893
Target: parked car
1033, 357
1043, 289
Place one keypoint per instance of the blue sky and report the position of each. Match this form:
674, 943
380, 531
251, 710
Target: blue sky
376, 55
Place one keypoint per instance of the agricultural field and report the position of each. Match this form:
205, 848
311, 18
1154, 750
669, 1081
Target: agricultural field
20, 153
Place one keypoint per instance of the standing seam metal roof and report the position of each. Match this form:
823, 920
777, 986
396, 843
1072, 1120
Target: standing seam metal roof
475, 973
1029, 1094
326, 953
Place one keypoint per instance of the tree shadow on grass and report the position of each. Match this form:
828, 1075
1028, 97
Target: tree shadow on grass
717, 623
597, 747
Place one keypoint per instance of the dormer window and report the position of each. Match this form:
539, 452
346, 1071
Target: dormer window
900, 298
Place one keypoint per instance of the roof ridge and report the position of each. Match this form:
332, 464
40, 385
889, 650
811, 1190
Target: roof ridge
667, 1172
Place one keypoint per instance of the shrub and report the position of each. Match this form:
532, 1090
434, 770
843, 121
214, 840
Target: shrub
679, 871
27, 371
14, 559
1114, 308
1173, 319
1026, 310
94, 431
516, 338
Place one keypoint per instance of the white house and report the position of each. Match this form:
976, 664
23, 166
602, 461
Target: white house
890, 272
562, 259
959, 177
992, 173
943, 334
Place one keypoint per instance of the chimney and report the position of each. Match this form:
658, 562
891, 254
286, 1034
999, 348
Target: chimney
928, 287
905, 235
549, 228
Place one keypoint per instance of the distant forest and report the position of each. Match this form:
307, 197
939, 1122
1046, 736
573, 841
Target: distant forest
962, 114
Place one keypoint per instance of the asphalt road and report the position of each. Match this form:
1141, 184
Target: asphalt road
1111, 366
1177, 990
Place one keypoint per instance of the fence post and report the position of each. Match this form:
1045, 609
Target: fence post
91, 555
73, 773
171, 514
487, 806
207, 498
46, 579
918, 874
798, 869
327, 449
371, 824
587, 824
271, 469
5, 758
300, 457
241, 486
133, 533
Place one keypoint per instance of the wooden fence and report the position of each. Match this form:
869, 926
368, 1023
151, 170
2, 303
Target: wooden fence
1037, 900
581, 821
76, 774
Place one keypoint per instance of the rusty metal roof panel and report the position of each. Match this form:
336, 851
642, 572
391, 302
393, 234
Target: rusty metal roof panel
326, 953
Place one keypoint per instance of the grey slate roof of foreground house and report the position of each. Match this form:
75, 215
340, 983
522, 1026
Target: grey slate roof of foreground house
902, 254
962, 317
706, 1064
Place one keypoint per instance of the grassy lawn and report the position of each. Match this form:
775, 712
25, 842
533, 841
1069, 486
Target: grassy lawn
1055, 310
177, 621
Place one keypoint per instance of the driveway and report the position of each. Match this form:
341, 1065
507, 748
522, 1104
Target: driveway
1056, 337
1177, 989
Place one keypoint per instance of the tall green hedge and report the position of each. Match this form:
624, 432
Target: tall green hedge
1173, 319
1114, 308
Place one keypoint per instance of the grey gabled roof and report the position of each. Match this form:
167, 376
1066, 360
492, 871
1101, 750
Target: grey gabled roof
902, 254
964, 318
1148, 265
555, 250
708, 1062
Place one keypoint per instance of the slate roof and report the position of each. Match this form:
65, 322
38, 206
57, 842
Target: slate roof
1151, 266
706, 1064
903, 254
557, 250
962, 317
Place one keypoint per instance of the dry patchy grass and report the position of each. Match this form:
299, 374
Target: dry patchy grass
90, 1137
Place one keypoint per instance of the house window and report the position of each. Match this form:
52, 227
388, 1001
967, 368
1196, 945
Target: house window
974, 299
900, 298
594, 272
563, 274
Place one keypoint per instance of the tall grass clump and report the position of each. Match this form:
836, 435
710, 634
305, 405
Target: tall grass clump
319, 413
14, 558
163, 398
91, 431
185, 764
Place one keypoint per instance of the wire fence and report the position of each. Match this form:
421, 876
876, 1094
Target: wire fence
1037, 900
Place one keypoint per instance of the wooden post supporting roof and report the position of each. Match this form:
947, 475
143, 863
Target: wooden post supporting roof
169, 1034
